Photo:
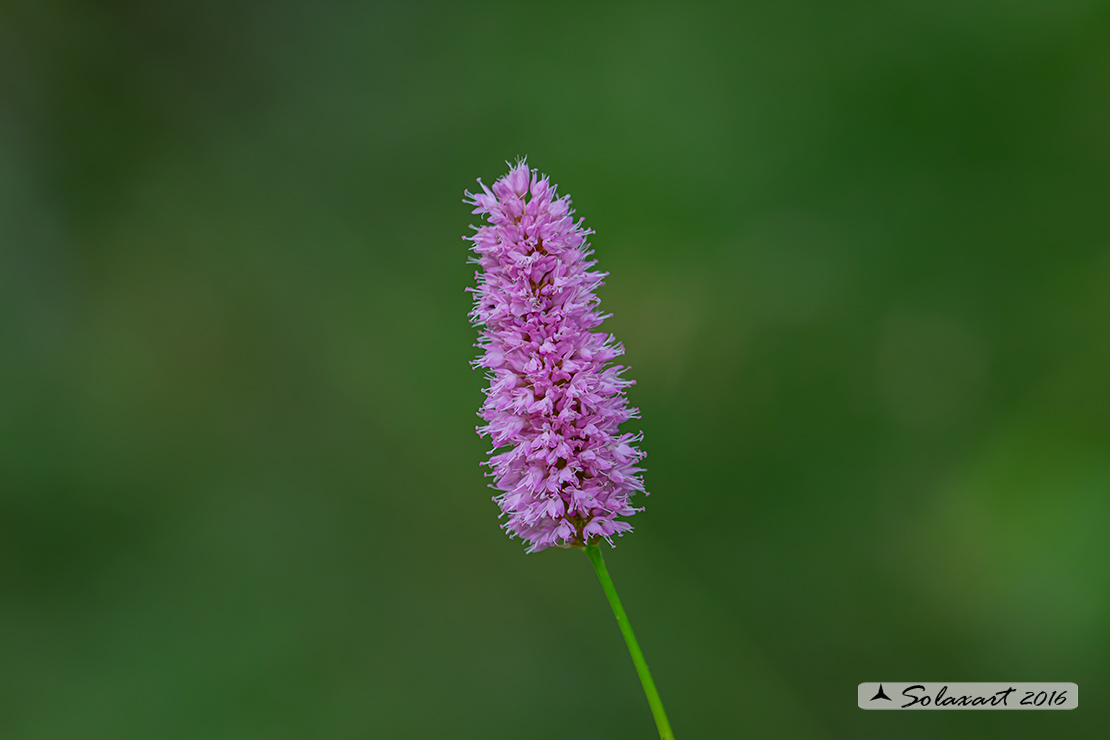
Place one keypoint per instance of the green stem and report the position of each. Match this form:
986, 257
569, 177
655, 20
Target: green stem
593, 552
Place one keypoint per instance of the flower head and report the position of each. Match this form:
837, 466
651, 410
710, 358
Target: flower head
563, 469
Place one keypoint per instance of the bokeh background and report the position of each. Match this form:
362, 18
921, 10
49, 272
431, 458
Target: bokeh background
860, 260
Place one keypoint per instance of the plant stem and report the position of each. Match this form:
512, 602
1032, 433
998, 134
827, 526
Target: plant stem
593, 552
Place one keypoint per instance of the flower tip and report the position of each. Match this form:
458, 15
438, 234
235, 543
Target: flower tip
519, 177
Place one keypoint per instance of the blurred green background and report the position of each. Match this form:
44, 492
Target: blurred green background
860, 260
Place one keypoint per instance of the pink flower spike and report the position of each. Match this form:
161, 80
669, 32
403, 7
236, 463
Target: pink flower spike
554, 403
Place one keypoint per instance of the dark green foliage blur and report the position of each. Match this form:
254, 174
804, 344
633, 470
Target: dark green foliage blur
860, 261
